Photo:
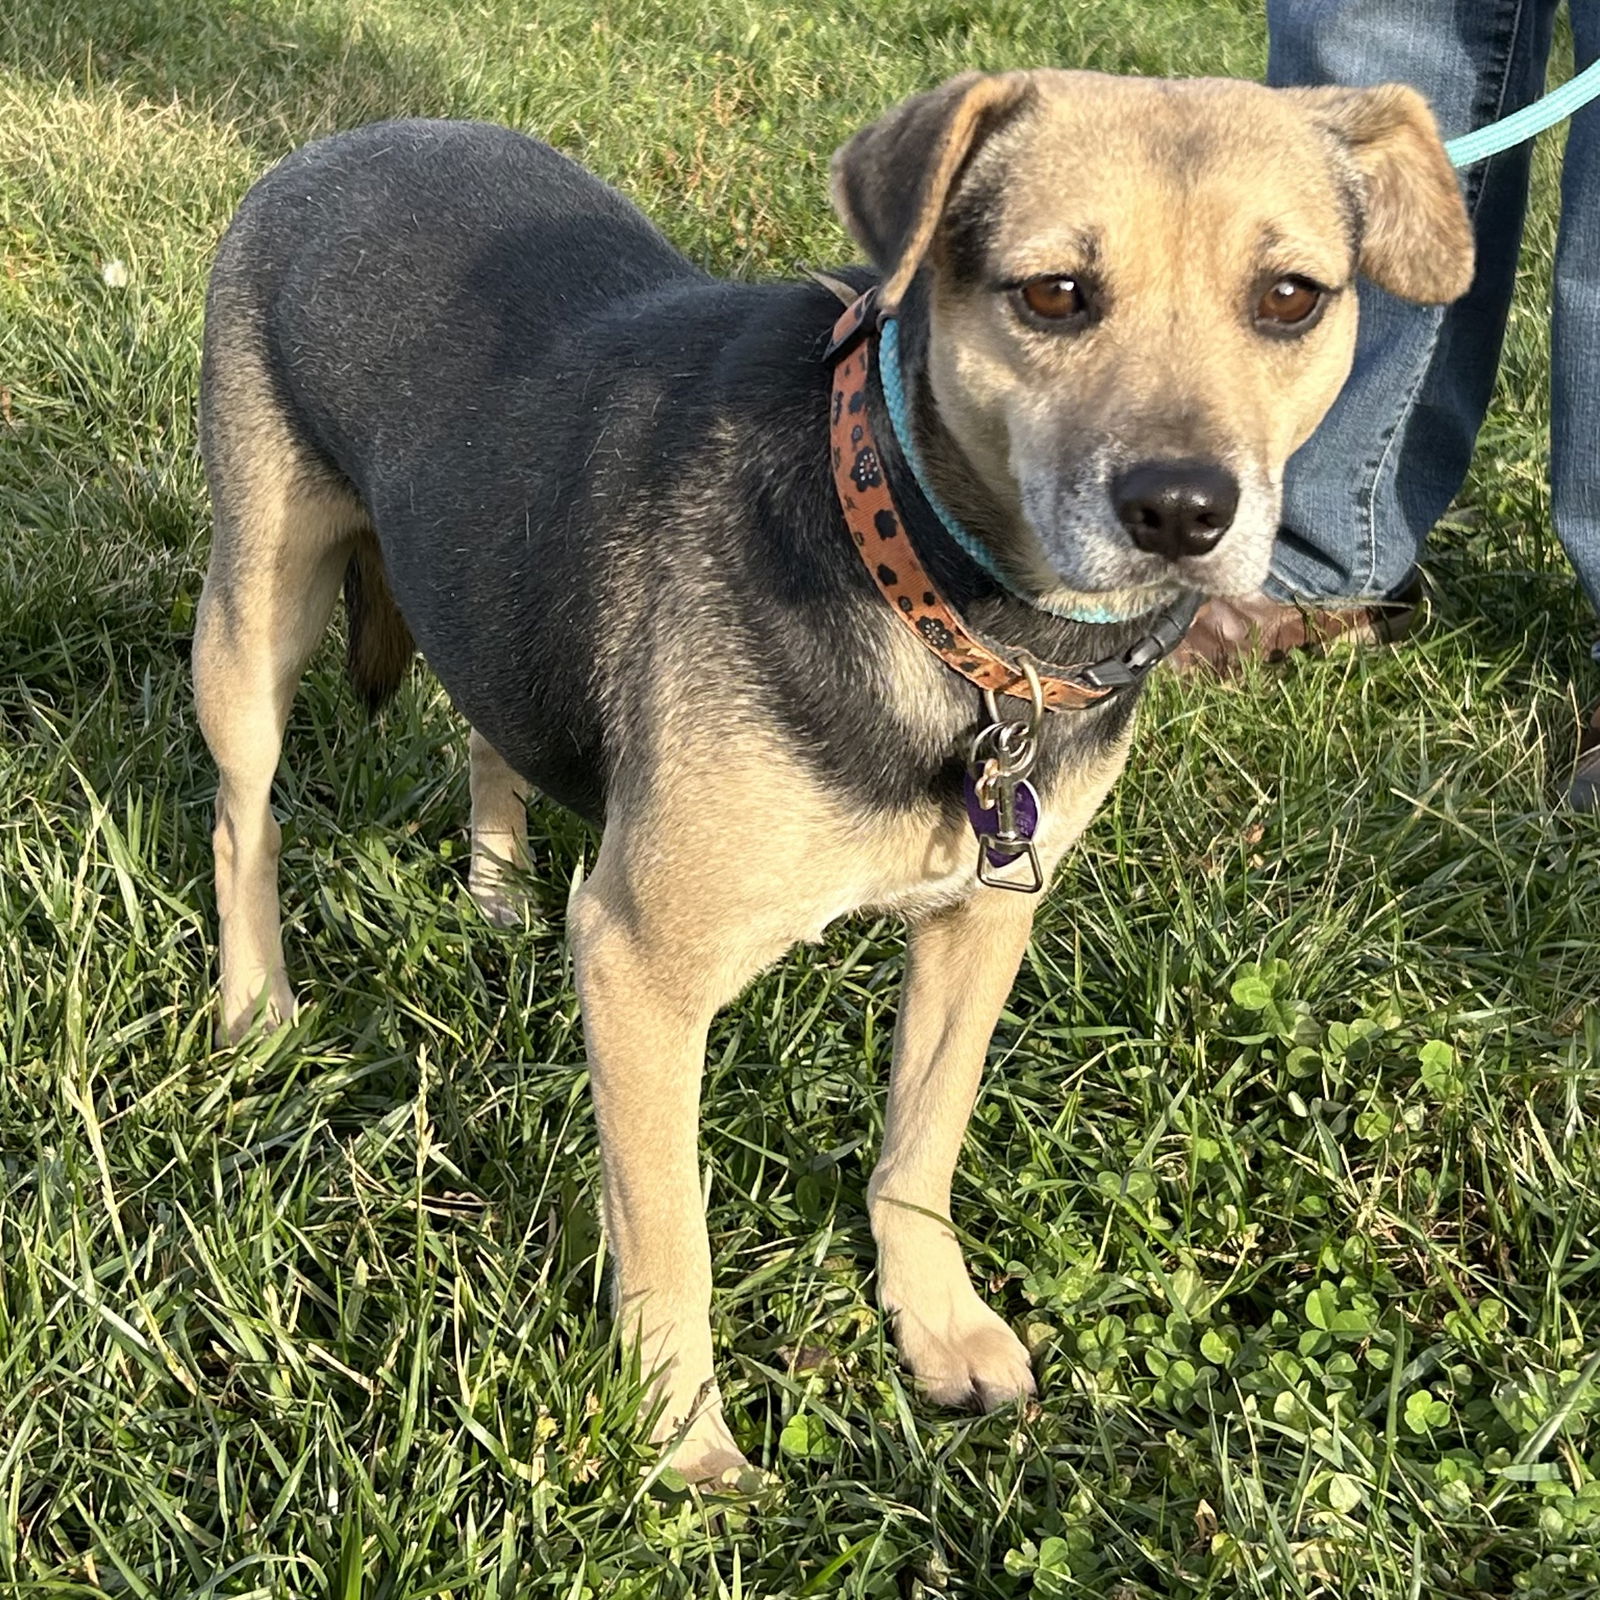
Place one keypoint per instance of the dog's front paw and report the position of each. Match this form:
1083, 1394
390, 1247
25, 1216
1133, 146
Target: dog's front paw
705, 1453
266, 1003
962, 1354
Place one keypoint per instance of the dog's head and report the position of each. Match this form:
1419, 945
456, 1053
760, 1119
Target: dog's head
1135, 299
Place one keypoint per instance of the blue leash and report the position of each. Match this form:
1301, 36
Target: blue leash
1572, 96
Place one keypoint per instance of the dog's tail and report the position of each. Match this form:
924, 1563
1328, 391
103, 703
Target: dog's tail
381, 645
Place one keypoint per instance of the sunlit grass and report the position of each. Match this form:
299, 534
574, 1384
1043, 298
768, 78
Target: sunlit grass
1286, 1164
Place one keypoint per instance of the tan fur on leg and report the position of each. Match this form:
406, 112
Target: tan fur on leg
960, 968
251, 643
649, 986
253, 633
499, 836
283, 537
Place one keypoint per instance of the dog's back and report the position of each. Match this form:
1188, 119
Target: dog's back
411, 311
416, 262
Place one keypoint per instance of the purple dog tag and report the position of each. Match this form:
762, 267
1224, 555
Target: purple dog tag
986, 820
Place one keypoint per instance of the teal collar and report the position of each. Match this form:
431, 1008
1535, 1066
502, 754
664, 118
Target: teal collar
894, 394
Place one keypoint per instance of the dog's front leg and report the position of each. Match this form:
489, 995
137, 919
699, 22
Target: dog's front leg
960, 967
649, 984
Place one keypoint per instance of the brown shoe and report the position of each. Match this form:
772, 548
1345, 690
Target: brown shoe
1583, 793
1227, 632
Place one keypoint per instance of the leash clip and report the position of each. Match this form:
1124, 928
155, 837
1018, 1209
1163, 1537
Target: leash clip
989, 876
1002, 805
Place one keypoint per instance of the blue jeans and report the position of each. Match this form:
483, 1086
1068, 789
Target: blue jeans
1363, 493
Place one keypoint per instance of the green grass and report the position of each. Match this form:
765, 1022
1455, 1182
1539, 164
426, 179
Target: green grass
1287, 1160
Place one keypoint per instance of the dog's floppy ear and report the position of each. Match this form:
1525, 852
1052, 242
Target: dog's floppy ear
1417, 240
892, 181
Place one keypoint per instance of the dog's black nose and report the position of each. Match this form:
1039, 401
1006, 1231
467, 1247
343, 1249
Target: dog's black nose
1175, 508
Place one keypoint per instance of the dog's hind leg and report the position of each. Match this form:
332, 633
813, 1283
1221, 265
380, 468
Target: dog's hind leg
499, 835
960, 967
283, 538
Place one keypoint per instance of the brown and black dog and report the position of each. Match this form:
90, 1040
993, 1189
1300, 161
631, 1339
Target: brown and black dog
453, 373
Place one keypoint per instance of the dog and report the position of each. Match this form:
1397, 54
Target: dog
607, 497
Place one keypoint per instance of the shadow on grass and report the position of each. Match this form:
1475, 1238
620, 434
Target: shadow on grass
277, 80
99, 478
1532, 611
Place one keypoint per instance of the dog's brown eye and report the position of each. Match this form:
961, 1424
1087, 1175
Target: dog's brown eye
1054, 299
1288, 302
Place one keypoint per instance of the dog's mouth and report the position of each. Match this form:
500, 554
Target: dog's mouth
1132, 587
1108, 605
1237, 566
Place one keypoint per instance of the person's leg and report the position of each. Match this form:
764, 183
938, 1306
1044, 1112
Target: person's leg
1575, 342
1575, 369
1361, 496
